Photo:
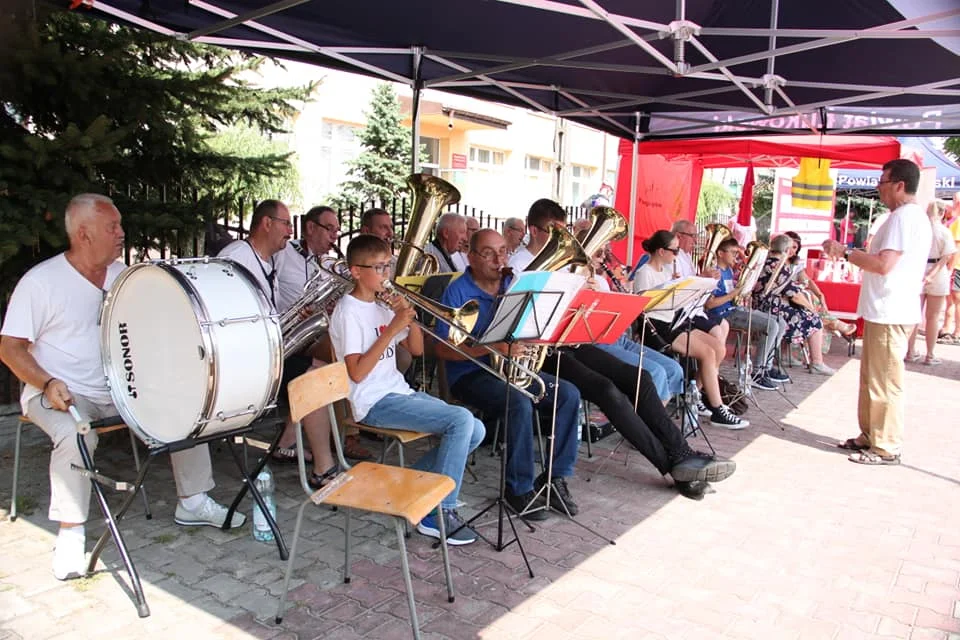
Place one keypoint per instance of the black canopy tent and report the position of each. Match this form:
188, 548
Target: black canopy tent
639, 69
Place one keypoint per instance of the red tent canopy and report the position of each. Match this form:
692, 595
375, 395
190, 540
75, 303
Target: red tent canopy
847, 152
670, 171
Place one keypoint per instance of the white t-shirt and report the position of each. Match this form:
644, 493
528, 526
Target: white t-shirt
877, 223
683, 264
894, 298
460, 260
648, 278
520, 259
242, 252
354, 327
58, 311
293, 271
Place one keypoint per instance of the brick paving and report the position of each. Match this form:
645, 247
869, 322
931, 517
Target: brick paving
798, 544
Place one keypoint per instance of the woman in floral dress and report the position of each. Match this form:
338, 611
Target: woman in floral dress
785, 300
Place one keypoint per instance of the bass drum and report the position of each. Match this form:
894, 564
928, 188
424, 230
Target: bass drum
190, 348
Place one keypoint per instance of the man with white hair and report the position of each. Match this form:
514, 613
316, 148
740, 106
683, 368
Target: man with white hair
513, 231
686, 233
51, 341
450, 235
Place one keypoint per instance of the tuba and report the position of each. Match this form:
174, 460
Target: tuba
717, 233
561, 251
430, 196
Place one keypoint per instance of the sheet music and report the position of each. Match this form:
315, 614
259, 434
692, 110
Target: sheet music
675, 294
539, 319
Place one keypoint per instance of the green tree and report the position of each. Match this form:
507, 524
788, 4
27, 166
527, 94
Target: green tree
379, 173
952, 145
86, 105
715, 199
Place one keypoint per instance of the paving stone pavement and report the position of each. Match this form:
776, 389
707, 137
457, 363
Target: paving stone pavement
798, 544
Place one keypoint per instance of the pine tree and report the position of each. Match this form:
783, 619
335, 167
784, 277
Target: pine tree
90, 106
379, 173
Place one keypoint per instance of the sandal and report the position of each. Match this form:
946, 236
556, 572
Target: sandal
947, 338
851, 444
913, 357
354, 450
871, 458
319, 481
288, 455
932, 360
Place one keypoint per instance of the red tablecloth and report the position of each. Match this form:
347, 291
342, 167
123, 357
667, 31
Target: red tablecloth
841, 296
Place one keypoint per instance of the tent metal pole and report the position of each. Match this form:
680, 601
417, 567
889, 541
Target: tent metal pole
634, 178
774, 14
415, 109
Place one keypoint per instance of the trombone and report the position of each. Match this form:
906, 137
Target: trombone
461, 321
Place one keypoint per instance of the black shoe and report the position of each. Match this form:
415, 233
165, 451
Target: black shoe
778, 375
694, 490
763, 381
723, 417
319, 481
521, 502
696, 467
559, 495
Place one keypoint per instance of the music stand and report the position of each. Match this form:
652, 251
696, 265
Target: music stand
592, 317
523, 312
685, 297
155, 448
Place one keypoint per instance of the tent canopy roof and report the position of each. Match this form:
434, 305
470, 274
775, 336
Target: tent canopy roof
686, 68
776, 151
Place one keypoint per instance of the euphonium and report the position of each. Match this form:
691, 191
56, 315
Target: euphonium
608, 225
756, 257
320, 293
717, 234
430, 196
561, 250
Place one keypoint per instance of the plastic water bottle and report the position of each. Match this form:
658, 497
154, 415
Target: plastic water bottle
264, 484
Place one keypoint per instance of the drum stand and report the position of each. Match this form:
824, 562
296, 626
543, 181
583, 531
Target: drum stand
154, 449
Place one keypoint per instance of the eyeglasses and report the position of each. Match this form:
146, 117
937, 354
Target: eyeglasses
381, 267
490, 254
673, 250
329, 227
887, 182
285, 221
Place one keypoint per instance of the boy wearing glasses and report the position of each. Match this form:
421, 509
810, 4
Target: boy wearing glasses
365, 335
765, 327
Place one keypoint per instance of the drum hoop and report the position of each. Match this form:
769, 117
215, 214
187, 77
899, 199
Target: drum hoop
276, 340
105, 314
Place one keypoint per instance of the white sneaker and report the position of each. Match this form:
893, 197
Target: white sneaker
822, 369
69, 558
210, 514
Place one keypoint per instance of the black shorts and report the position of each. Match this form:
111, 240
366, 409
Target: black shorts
705, 323
955, 285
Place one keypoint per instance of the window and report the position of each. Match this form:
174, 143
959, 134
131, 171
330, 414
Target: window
535, 165
581, 183
487, 159
430, 156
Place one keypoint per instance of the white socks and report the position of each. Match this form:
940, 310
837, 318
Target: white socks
69, 558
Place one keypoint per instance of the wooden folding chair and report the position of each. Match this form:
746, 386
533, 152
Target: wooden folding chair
405, 494
24, 420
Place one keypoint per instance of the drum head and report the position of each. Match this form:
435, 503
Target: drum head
155, 356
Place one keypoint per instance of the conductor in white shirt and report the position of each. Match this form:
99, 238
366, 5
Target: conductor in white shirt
51, 341
893, 269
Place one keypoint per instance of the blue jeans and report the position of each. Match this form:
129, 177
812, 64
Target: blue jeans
666, 372
460, 432
486, 392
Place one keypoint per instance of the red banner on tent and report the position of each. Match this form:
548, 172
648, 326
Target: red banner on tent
667, 191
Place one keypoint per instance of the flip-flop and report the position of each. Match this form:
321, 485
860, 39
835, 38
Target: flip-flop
851, 444
870, 458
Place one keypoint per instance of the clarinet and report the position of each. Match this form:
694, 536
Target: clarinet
613, 278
